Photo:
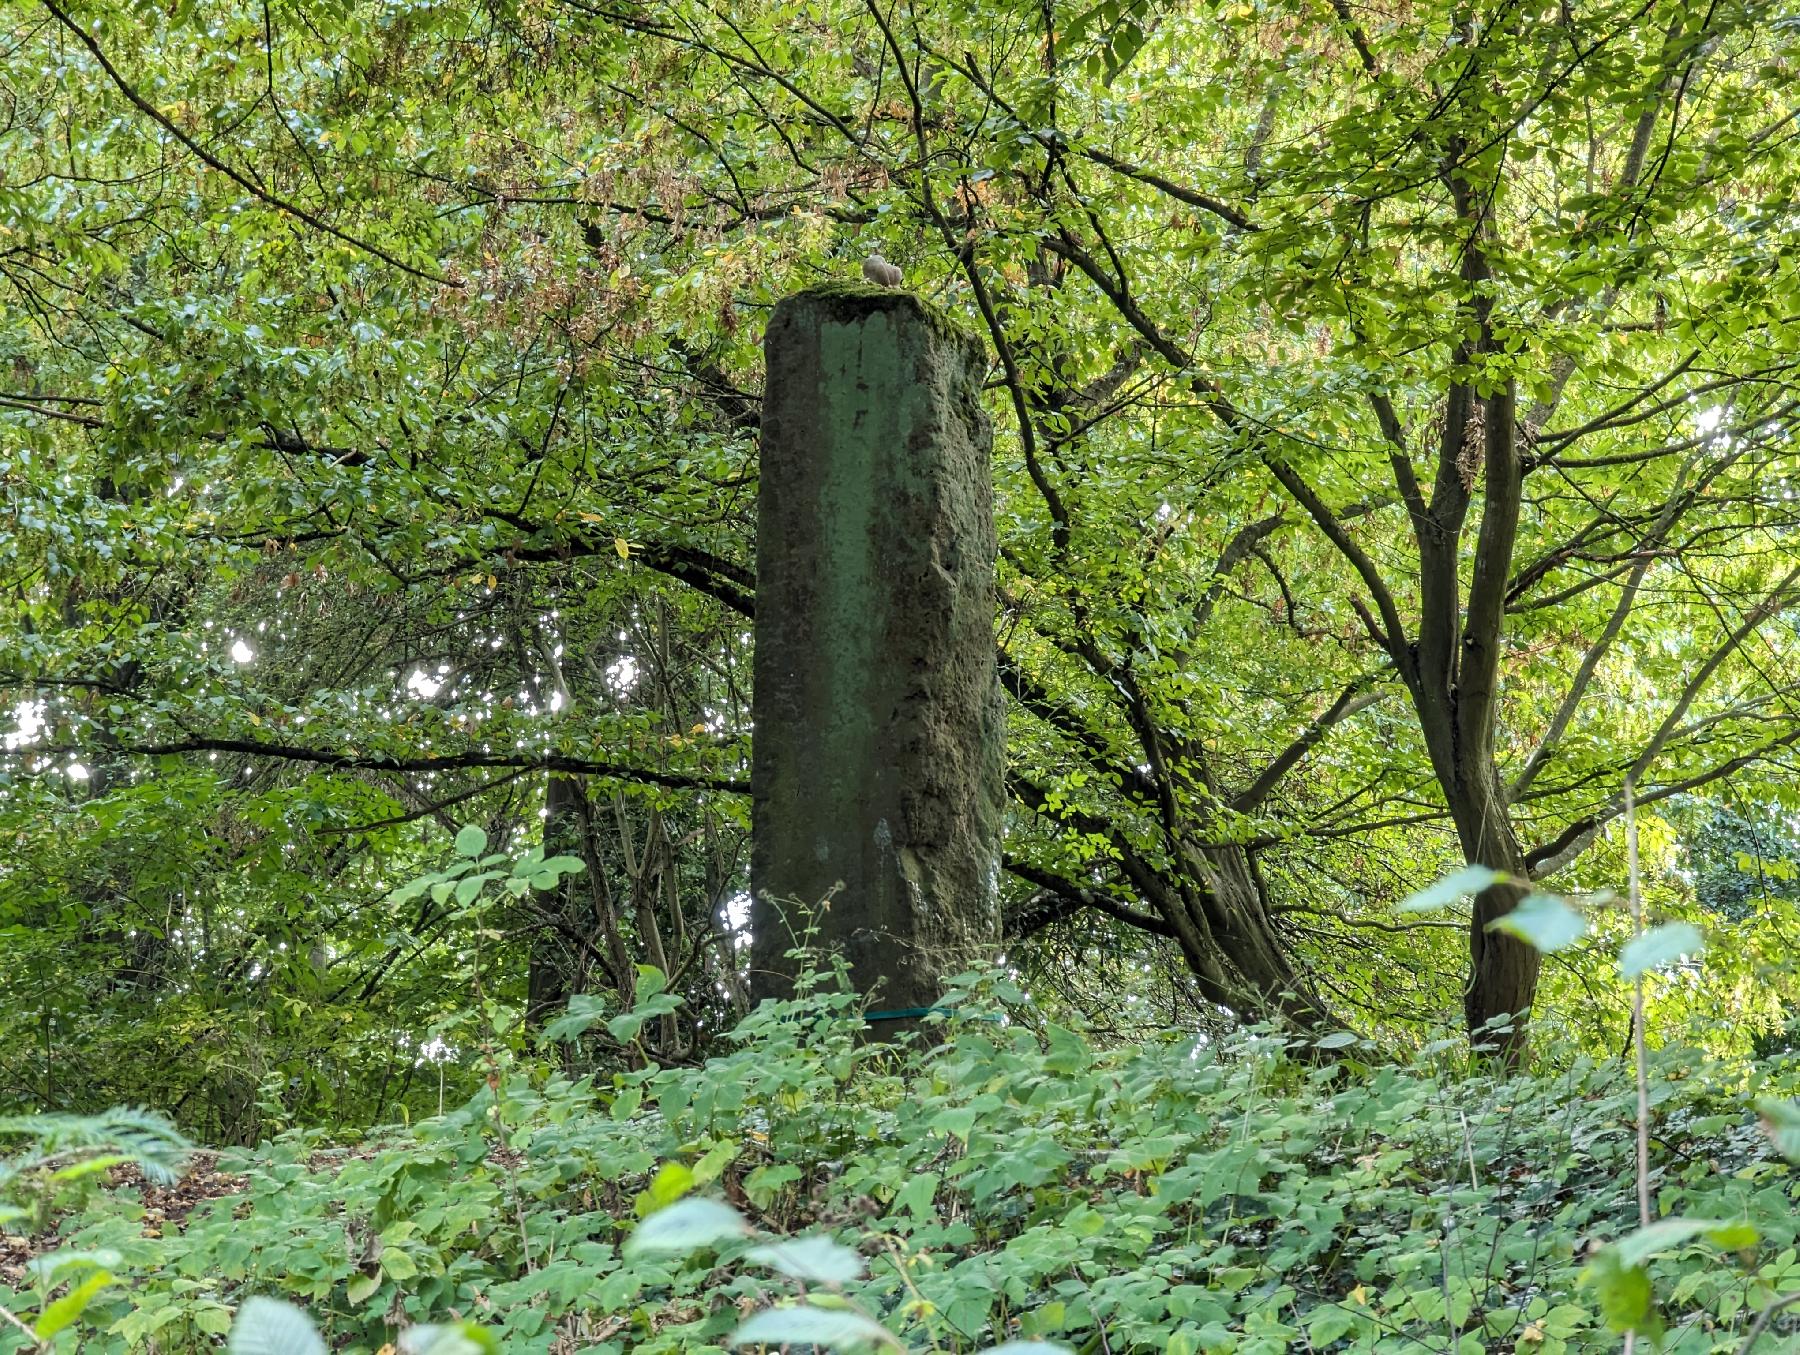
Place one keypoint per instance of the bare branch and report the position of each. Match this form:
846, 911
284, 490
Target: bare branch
1355, 697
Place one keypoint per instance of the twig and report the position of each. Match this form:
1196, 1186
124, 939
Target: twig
1766, 1316
1637, 1025
237, 176
1637, 1010
38, 1344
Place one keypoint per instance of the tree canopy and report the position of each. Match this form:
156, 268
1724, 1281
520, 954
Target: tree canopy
1394, 464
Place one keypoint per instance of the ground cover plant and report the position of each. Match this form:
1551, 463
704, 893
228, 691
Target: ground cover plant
1393, 460
1394, 480
1011, 1181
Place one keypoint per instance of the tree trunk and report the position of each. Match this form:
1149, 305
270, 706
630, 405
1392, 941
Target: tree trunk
1503, 971
552, 972
1221, 921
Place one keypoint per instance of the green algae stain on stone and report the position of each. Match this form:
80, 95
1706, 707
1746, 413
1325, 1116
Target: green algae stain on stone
878, 756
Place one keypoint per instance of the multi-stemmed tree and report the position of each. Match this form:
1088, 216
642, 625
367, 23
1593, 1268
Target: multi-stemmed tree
1393, 463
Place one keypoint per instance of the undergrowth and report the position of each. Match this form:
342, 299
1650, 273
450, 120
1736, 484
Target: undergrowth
1006, 1180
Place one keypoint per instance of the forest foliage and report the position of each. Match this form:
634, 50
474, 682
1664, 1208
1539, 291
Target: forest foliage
1393, 464
1009, 1182
1394, 467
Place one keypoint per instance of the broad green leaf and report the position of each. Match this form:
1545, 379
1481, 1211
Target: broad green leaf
1659, 946
917, 1195
585, 1010
958, 1121
267, 1326
1734, 1236
1328, 1323
471, 841
764, 1183
625, 1026
712, 1164
214, 1319
671, 1182
70, 1306
57, 1266
92, 1166
450, 1338
398, 1265
818, 1260
1457, 885
1543, 921
686, 1226
1624, 1291
1638, 1247
1782, 1121
805, 1323
1338, 1039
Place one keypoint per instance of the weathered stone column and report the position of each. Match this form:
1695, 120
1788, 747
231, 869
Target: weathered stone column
878, 718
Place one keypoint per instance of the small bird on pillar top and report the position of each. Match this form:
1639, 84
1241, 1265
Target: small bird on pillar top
880, 272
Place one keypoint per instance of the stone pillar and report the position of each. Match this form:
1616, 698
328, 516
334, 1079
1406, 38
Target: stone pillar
879, 723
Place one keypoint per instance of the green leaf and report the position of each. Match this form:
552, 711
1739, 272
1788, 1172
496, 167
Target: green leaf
361, 1288
1338, 1039
397, 1265
1782, 1121
56, 1266
450, 1338
585, 1009
1734, 1236
1626, 1299
764, 1183
955, 1120
671, 1182
625, 1026
1457, 885
91, 1167
818, 1260
1543, 921
471, 841
1028, 1348
267, 1326
1328, 1323
70, 1306
1636, 1248
685, 1227
917, 1195
713, 1163
804, 1323
1659, 946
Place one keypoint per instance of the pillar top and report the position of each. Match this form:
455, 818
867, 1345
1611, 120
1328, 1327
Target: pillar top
849, 302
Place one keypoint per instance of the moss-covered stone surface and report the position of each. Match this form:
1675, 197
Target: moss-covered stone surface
878, 748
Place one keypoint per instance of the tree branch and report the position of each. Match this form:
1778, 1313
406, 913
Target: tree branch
387, 762
242, 180
1074, 898
1352, 699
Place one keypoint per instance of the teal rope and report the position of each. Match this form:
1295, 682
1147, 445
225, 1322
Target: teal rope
903, 1014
